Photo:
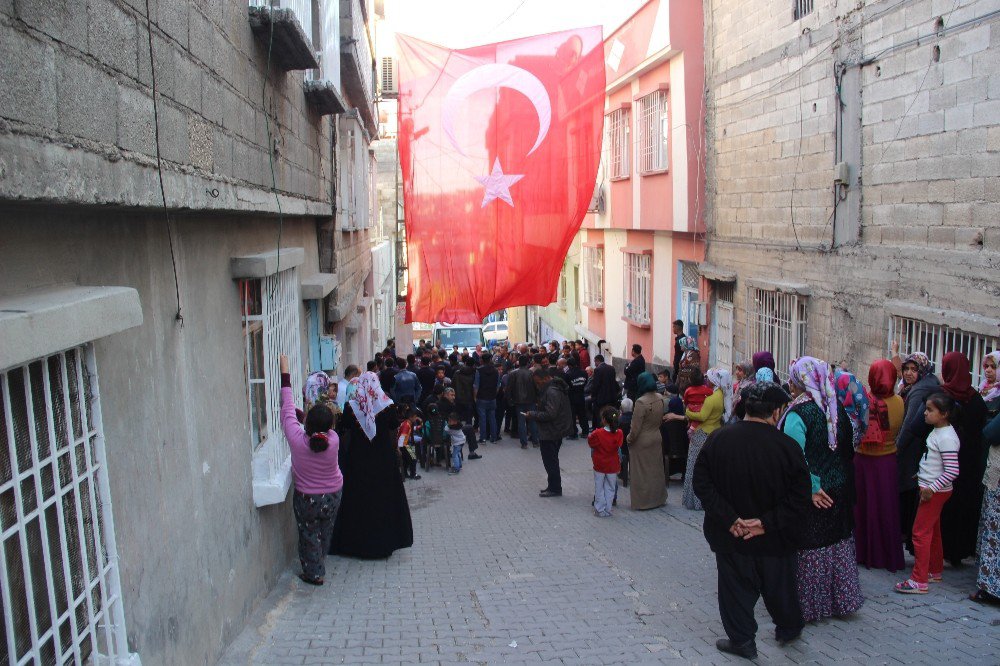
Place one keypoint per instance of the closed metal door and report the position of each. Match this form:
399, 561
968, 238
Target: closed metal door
724, 334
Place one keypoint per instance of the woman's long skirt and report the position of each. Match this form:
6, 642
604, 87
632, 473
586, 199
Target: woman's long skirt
828, 582
695, 442
989, 544
876, 513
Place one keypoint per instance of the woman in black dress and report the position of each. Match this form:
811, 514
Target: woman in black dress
374, 518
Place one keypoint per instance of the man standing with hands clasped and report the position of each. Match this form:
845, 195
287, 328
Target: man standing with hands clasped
753, 481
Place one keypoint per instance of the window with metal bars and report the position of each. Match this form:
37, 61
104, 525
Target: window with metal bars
776, 322
270, 314
562, 288
801, 8
654, 132
619, 135
935, 340
637, 287
593, 277
61, 593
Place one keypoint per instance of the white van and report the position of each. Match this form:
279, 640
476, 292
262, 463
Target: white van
496, 331
466, 336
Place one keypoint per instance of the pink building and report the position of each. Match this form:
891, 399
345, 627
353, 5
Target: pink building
641, 246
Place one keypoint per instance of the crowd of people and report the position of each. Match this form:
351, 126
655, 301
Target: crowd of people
801, 481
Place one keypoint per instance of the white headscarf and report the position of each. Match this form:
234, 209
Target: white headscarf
368, 401
722, 379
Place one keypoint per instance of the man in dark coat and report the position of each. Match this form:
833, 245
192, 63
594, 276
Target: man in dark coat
635, 367
462, 383
604, 387
522, 391
554, 417
753, 481
426, 376
678, 352
577, 380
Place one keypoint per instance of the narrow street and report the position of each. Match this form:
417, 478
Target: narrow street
499, 575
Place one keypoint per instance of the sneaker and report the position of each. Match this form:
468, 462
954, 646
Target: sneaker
415, 477
311, 580
911, 587
453, 472
474, 456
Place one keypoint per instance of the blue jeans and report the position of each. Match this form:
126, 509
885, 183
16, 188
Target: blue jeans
487, 420
456, 457
524, 424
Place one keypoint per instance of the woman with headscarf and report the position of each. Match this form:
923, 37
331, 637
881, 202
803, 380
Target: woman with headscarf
960, 516
763, 359
988, 578
764, 375
989, 388
876, 514
648, 489
690, 353
917, 382
851, 395
827, 579
718, 408
743, 376
374, 518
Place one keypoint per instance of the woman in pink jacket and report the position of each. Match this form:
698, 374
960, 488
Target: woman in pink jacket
318, 481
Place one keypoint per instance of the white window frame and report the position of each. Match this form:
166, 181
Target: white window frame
561, 296
637, 287
654, 133
279, 316
593, 277
619, 142
936, 340
776, 322
59, 488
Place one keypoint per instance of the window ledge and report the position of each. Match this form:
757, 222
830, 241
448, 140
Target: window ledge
594, 306
656, 172
636, 323
270, 486
615, 179
253, 266
318, 286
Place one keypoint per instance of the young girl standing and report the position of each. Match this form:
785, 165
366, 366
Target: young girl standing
605, 443
938, 469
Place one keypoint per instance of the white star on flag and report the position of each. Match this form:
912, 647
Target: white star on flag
497, 185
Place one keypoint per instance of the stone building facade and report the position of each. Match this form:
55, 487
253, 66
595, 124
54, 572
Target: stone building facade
853, 152
141, 319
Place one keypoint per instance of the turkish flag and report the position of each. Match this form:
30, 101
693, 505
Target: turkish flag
499, 147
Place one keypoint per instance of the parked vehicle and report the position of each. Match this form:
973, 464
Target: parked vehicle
496, 331
465, 336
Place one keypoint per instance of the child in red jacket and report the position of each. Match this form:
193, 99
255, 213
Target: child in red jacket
605, 443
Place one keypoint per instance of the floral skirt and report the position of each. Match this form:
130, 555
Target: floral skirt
828, 582
695, 442
989, 544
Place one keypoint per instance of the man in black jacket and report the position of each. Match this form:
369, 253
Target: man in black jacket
522, 391
753, 481
577, 379
604, 387
635, 367
678, 352
555, 420
485, 388
426, 375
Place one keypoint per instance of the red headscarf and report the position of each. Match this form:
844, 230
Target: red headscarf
956, 376
881, 382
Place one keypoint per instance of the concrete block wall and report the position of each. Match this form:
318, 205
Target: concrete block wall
929, 209
76, 77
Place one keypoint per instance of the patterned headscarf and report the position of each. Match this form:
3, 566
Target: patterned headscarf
687, 343
763, 359
722, 379
851, 394
924, 367
765, 375
812, 377
987, 390
316, 387
956, 378
368, 401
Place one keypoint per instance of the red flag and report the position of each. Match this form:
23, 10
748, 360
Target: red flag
499, 147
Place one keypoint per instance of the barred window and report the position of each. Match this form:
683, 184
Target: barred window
776, 322
801, 8
637, 287
935, 340
619, 136
654, 132
593, 277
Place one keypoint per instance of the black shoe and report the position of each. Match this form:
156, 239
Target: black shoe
524, 446
311, 580
748, 650
784, 639
549, 493
474, 456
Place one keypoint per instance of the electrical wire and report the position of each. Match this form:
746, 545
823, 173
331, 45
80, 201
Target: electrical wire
270, 145
159, 167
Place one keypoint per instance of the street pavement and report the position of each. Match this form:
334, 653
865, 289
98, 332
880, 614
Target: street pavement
499, 575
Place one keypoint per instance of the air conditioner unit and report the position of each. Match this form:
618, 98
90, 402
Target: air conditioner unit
390, 86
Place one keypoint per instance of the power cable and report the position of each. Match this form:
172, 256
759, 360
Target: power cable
270, 147
159, 167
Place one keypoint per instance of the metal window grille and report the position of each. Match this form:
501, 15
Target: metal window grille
593, 277
776, 322
654, 132
802, 8
690, 277
270, 328
637, 287
725, 291
562, 288
935, 340
62, 599
618, 138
